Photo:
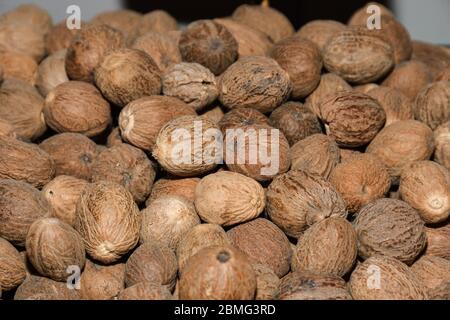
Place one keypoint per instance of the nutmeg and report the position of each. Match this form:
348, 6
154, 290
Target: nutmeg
242, 117
12, 267
425, 185
108, 220
296, 200
7, 129
72, 153
18, 66
228, 198
244, 84
41, 288
218, 273
431, 106
215, 114
349, 155
99, 282
51, 72
320, 31
267, 283
433, 56
60, 36
442, 142
365, 88
184, 187
33, 15
390, 227
155, 21
114, 138
141, 120
145, 291
433, 273
444, 75
76, 106
123, 20
437, 241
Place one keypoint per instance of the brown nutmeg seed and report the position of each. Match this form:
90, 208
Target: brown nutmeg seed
60, 36
434, 274
267, 283
51, 72
431, 106
442, 142
437, 242
41, 288
184, 187
99, 282
18, 66
444, 75
155, 21
145, 291
433, 56
12, 267
320, 31
242, 117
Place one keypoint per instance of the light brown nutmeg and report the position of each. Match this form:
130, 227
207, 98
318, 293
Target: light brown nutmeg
433, 56
393, 281
391, 228
176, 148
34, 15
209, 44
199, 237
245, 84
228, 198
358, 55
141, 120
264, 243
145, 291
320, 31
251, 42
218, 273
167, 219
72, 153
18, 66
444, 75
353, 119
125, 75
184, 187
425, 185
78, 107
7, 129
302, 60
267, 283
242, 117
349, 154
437, 242
311, 286
152, 262
12, 267
361, 180
432, 104
123, 20
108, 220
401, 143
296, 200
365, 88
434, 274
62, 194
128, 166
53, 246
442, 142
155, 21
99, 282
296, 121
87, 49
41, 288
317, 154
60, 36
25, 162
51, 72
215, 114
114, 138
265, 19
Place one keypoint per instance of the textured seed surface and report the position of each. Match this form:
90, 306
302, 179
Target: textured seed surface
442, 143
267, 283
320, 31
100, 282
432, 104
12, 267
434, 274
145, 291
41, 288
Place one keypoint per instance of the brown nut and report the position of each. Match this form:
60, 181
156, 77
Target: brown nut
12, 267
444, 75
18, 66
60, 36
433, 273
267, 283
215, 114
431, 106
320, 31
437, 242
442, 142
123, 20
184, 187
155, 21
51, 72
433, 56
145, 291
41, 288
242, 117
99, 282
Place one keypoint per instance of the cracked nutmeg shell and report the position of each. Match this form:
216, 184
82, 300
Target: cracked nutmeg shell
432, 104
53, 246
218, 273
352, 118
385, 278
425, 185
442, 142
12, 267
320, 31
209, 44
41, 288
392, 228
254, 82
100, 282
296, 200
434, 274
184, 187
146, 291
228, 198
108, 220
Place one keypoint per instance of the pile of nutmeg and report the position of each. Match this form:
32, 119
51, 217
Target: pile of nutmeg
135, 158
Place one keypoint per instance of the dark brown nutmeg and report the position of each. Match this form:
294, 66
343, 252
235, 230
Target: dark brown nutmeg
434, 274
242, 117
296, 200
442, 142
128, 166
88, 47
437, 241
302, 60
433, 56
184, 187
12, 267
60, 36
320, 31
218, 273
125, 75
72, 153
108, 220
392, 228
123, 20
18, 66
264, 243
210, 44
267, 283
296, 121
99, 282
41, 288
155, 21
245, 84
76, 106
146, 291
432, 104
51, 72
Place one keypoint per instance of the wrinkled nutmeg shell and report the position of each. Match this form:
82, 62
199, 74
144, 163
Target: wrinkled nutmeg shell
434, 274
267, 283
432, 104
41, 288
442, 142
320, 31
242, 117
145, 291
99, 282
123, 20
437, 242
184, 187
12, 266
433, 56
18, 66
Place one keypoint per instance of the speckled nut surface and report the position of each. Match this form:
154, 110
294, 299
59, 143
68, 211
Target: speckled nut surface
267, 283
433, 56
245, 84
432, 104
442, 142
320, 31
392, 228
41, 288
437, 240
242, 117
100, 282
184, 187
12, 267
434, 274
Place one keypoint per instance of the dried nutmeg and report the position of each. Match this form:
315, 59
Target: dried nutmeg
215, 114
218, 273
51, 72
434, 274
353, 119
316, 154
267, 283
245, 84
99, 282
392, 228
302, 60
320, 31
62, 194
141, 120
108, 220
296, 200
395, 281
442, 142
7, 129
242, 117
60, 36
72, 153
18, 66
296, 121
433, 56
432, 104
210, 44
34, 16
437, 242
425, 185
145, 291
228, 198
361, 180
264, 243
123, 20
155, 21
167, 219
41, 288
444, 75
88, 47
25, 162
184, 187
12, 267
53, 246
114, 138
76, 106
128, 166
126, 75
